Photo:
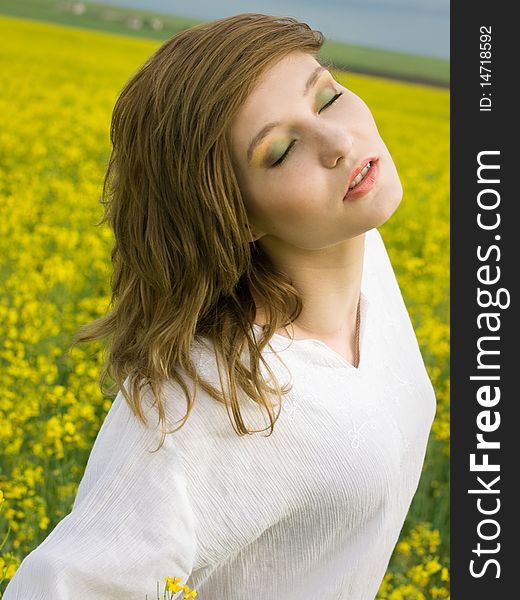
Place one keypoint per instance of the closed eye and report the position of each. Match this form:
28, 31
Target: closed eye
286, 153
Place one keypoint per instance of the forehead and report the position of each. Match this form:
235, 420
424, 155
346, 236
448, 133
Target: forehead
272, 96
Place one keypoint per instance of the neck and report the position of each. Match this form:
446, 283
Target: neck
329, 281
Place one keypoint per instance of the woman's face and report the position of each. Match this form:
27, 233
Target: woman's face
300, 201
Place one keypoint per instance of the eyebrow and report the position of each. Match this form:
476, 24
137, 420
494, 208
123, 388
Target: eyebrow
265, 130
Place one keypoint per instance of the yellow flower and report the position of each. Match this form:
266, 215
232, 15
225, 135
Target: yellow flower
172, 584
189, 593
437, 592
403, 547
432, 566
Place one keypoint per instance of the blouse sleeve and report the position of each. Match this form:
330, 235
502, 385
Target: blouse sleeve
131, 525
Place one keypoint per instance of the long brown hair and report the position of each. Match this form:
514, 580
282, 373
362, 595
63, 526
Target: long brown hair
183, 262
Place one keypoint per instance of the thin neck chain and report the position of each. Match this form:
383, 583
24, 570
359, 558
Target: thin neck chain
358, 322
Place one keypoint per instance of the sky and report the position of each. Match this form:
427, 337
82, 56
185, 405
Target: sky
416, 26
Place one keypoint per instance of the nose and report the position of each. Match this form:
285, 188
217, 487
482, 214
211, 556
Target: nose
334, 144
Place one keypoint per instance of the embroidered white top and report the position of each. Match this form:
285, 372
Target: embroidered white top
311, 512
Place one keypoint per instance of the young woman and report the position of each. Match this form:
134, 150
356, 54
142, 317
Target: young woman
244, 190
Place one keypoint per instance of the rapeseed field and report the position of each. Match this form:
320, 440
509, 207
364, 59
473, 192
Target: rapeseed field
58, 87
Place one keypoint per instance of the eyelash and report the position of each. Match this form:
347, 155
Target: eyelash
286, 153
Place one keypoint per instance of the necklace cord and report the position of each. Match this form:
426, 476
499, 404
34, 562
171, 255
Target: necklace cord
358, 322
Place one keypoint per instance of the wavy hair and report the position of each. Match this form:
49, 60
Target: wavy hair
184, 265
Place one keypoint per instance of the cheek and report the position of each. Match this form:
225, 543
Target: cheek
294, 202
363, 113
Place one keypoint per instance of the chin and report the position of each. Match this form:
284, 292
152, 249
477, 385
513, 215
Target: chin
389, 205
382, 213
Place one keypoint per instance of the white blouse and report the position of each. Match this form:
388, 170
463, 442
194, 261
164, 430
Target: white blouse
311, 512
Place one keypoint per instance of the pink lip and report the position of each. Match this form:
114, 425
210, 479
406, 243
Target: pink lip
368, 181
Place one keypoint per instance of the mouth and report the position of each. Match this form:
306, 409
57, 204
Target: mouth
362, 178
